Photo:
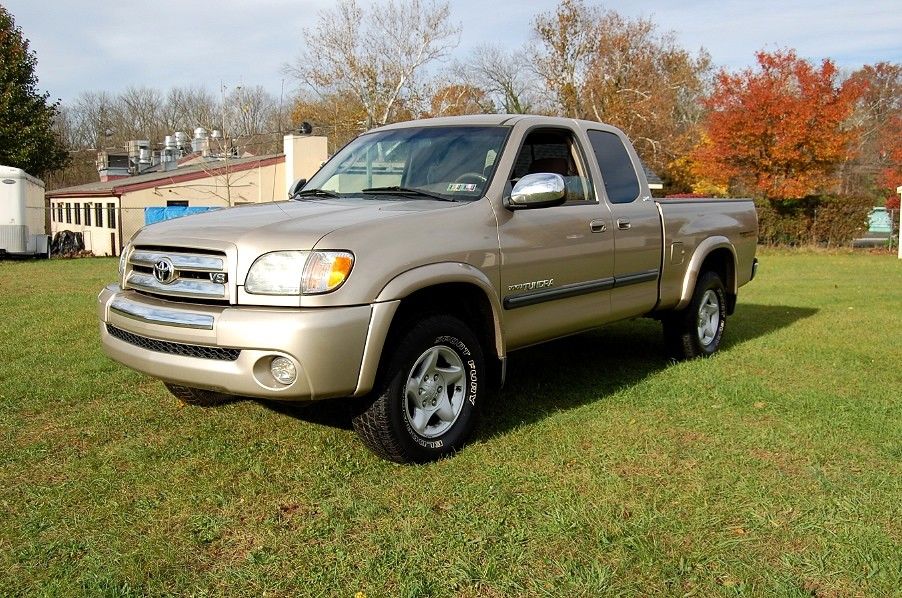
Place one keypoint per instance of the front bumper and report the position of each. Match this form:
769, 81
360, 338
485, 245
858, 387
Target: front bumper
229, 349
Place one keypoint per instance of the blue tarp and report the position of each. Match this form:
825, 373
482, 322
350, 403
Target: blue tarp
152, 215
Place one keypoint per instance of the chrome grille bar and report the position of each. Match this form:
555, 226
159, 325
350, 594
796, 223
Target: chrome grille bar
182, 287
159, 315
181, 261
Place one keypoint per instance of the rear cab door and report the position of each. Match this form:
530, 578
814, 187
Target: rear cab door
637, 230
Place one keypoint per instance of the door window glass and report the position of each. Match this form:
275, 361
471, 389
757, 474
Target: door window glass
617, 172
554, 151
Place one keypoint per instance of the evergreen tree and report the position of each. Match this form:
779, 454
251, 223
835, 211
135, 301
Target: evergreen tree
27, 139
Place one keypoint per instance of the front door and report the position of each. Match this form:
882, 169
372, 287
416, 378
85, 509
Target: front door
556, 263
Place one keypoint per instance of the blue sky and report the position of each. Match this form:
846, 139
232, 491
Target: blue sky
107, 45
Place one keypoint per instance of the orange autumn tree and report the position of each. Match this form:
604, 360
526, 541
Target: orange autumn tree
890, 177
776, 131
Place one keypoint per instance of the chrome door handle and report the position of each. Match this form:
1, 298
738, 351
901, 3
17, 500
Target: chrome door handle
597, 226
623, 223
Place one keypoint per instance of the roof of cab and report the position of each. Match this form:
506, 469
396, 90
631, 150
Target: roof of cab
491, 120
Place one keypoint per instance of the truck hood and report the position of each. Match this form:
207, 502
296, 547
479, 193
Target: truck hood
280, 225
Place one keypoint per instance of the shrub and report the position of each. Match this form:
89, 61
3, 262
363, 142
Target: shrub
829, 220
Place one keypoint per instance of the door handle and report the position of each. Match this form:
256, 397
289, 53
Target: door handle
623, 223
597, 226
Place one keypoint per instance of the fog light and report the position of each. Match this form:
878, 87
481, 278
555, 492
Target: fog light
283, 370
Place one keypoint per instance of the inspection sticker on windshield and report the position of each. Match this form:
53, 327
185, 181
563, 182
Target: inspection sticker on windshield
462, 187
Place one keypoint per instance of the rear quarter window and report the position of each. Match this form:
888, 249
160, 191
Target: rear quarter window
620, 180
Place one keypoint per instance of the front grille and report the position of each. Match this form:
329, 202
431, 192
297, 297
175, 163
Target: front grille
194, 275
152, 344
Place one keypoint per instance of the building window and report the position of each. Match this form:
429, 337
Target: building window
59, 212
176, 203
77, 214
87, 214
111, 215
68, 212
98, 214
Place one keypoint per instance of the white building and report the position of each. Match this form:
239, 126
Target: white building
109, 211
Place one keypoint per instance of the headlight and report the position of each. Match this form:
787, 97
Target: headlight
298, 272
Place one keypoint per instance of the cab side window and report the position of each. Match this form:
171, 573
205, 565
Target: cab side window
554, 151
620, 180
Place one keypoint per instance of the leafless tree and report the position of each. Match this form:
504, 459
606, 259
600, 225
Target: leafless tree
248, 111
568, 39
376, 55
508, 77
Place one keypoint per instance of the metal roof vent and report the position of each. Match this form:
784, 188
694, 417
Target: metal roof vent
200, 143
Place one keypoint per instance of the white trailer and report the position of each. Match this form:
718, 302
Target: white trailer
22, 214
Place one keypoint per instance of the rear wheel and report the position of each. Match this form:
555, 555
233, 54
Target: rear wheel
425, 406
698, 330
197, 396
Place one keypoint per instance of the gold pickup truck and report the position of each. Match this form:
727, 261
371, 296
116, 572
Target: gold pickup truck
407, 269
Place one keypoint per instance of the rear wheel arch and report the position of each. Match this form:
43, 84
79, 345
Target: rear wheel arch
717, 255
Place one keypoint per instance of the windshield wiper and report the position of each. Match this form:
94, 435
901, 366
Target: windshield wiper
315, 193
407, 191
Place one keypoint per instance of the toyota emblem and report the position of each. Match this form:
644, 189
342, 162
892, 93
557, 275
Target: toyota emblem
164, 271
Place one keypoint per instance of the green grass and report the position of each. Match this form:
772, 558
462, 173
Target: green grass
774, 468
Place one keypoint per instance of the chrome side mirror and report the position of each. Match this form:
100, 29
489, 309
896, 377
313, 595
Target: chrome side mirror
540, 190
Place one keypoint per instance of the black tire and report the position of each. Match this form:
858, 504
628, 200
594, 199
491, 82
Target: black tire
682, 336
386, 424
197, 397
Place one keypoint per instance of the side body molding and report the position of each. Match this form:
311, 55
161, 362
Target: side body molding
702, 251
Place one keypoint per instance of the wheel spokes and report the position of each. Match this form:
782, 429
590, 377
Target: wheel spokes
420, 419
444, 410
435, 387
413, 389
708, 320
430, 362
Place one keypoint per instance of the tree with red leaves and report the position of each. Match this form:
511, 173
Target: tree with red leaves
777, 131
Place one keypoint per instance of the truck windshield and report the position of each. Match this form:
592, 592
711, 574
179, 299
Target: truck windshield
453, 163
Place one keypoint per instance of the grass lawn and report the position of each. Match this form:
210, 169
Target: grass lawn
773, 468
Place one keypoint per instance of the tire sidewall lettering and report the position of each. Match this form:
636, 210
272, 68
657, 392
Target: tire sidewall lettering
454, 343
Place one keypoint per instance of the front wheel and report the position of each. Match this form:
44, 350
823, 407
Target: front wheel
698, 330
425, 406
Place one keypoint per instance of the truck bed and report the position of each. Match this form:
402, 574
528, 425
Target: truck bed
687, 223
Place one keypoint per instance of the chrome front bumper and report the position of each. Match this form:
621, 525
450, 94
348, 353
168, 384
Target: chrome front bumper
174, 342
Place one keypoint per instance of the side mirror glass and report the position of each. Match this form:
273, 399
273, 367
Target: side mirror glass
298, 185
540, 190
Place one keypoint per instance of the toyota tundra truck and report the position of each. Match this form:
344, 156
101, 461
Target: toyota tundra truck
408, 268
